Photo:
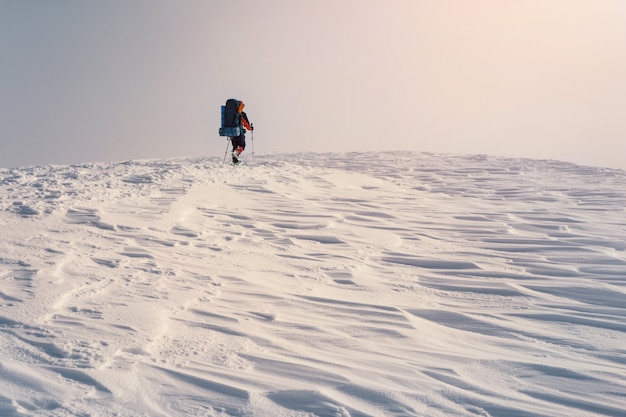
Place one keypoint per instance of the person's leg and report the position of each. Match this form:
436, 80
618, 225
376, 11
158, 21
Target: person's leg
239, 144
239, 141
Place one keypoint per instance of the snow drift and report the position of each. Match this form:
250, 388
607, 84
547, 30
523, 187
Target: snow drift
313, 285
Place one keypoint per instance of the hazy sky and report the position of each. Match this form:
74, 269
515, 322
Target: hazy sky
87, 80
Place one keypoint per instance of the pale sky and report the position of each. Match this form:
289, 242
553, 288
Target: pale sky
115, 80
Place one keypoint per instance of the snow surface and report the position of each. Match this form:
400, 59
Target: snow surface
313, 285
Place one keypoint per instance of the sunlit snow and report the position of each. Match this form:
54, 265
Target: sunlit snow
361, 285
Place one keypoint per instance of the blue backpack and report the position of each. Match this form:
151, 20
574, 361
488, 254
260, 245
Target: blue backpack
231, 119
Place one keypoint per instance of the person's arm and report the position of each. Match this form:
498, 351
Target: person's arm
245, 121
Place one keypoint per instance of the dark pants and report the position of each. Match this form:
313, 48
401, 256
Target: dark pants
238, 141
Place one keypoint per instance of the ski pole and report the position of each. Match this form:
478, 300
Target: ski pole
252, 133
225, 152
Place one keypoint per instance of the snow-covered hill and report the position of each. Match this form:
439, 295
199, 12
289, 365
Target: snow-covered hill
313, 285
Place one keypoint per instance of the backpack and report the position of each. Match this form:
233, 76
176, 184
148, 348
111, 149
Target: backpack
231, 119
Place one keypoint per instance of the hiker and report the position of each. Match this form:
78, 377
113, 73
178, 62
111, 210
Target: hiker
239, 142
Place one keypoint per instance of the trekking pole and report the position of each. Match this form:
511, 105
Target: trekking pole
252, 133
225, 152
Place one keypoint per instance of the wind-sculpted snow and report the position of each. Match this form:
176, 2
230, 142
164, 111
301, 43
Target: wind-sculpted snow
361, 285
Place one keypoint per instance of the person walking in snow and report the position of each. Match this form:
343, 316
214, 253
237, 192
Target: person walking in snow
239, 142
